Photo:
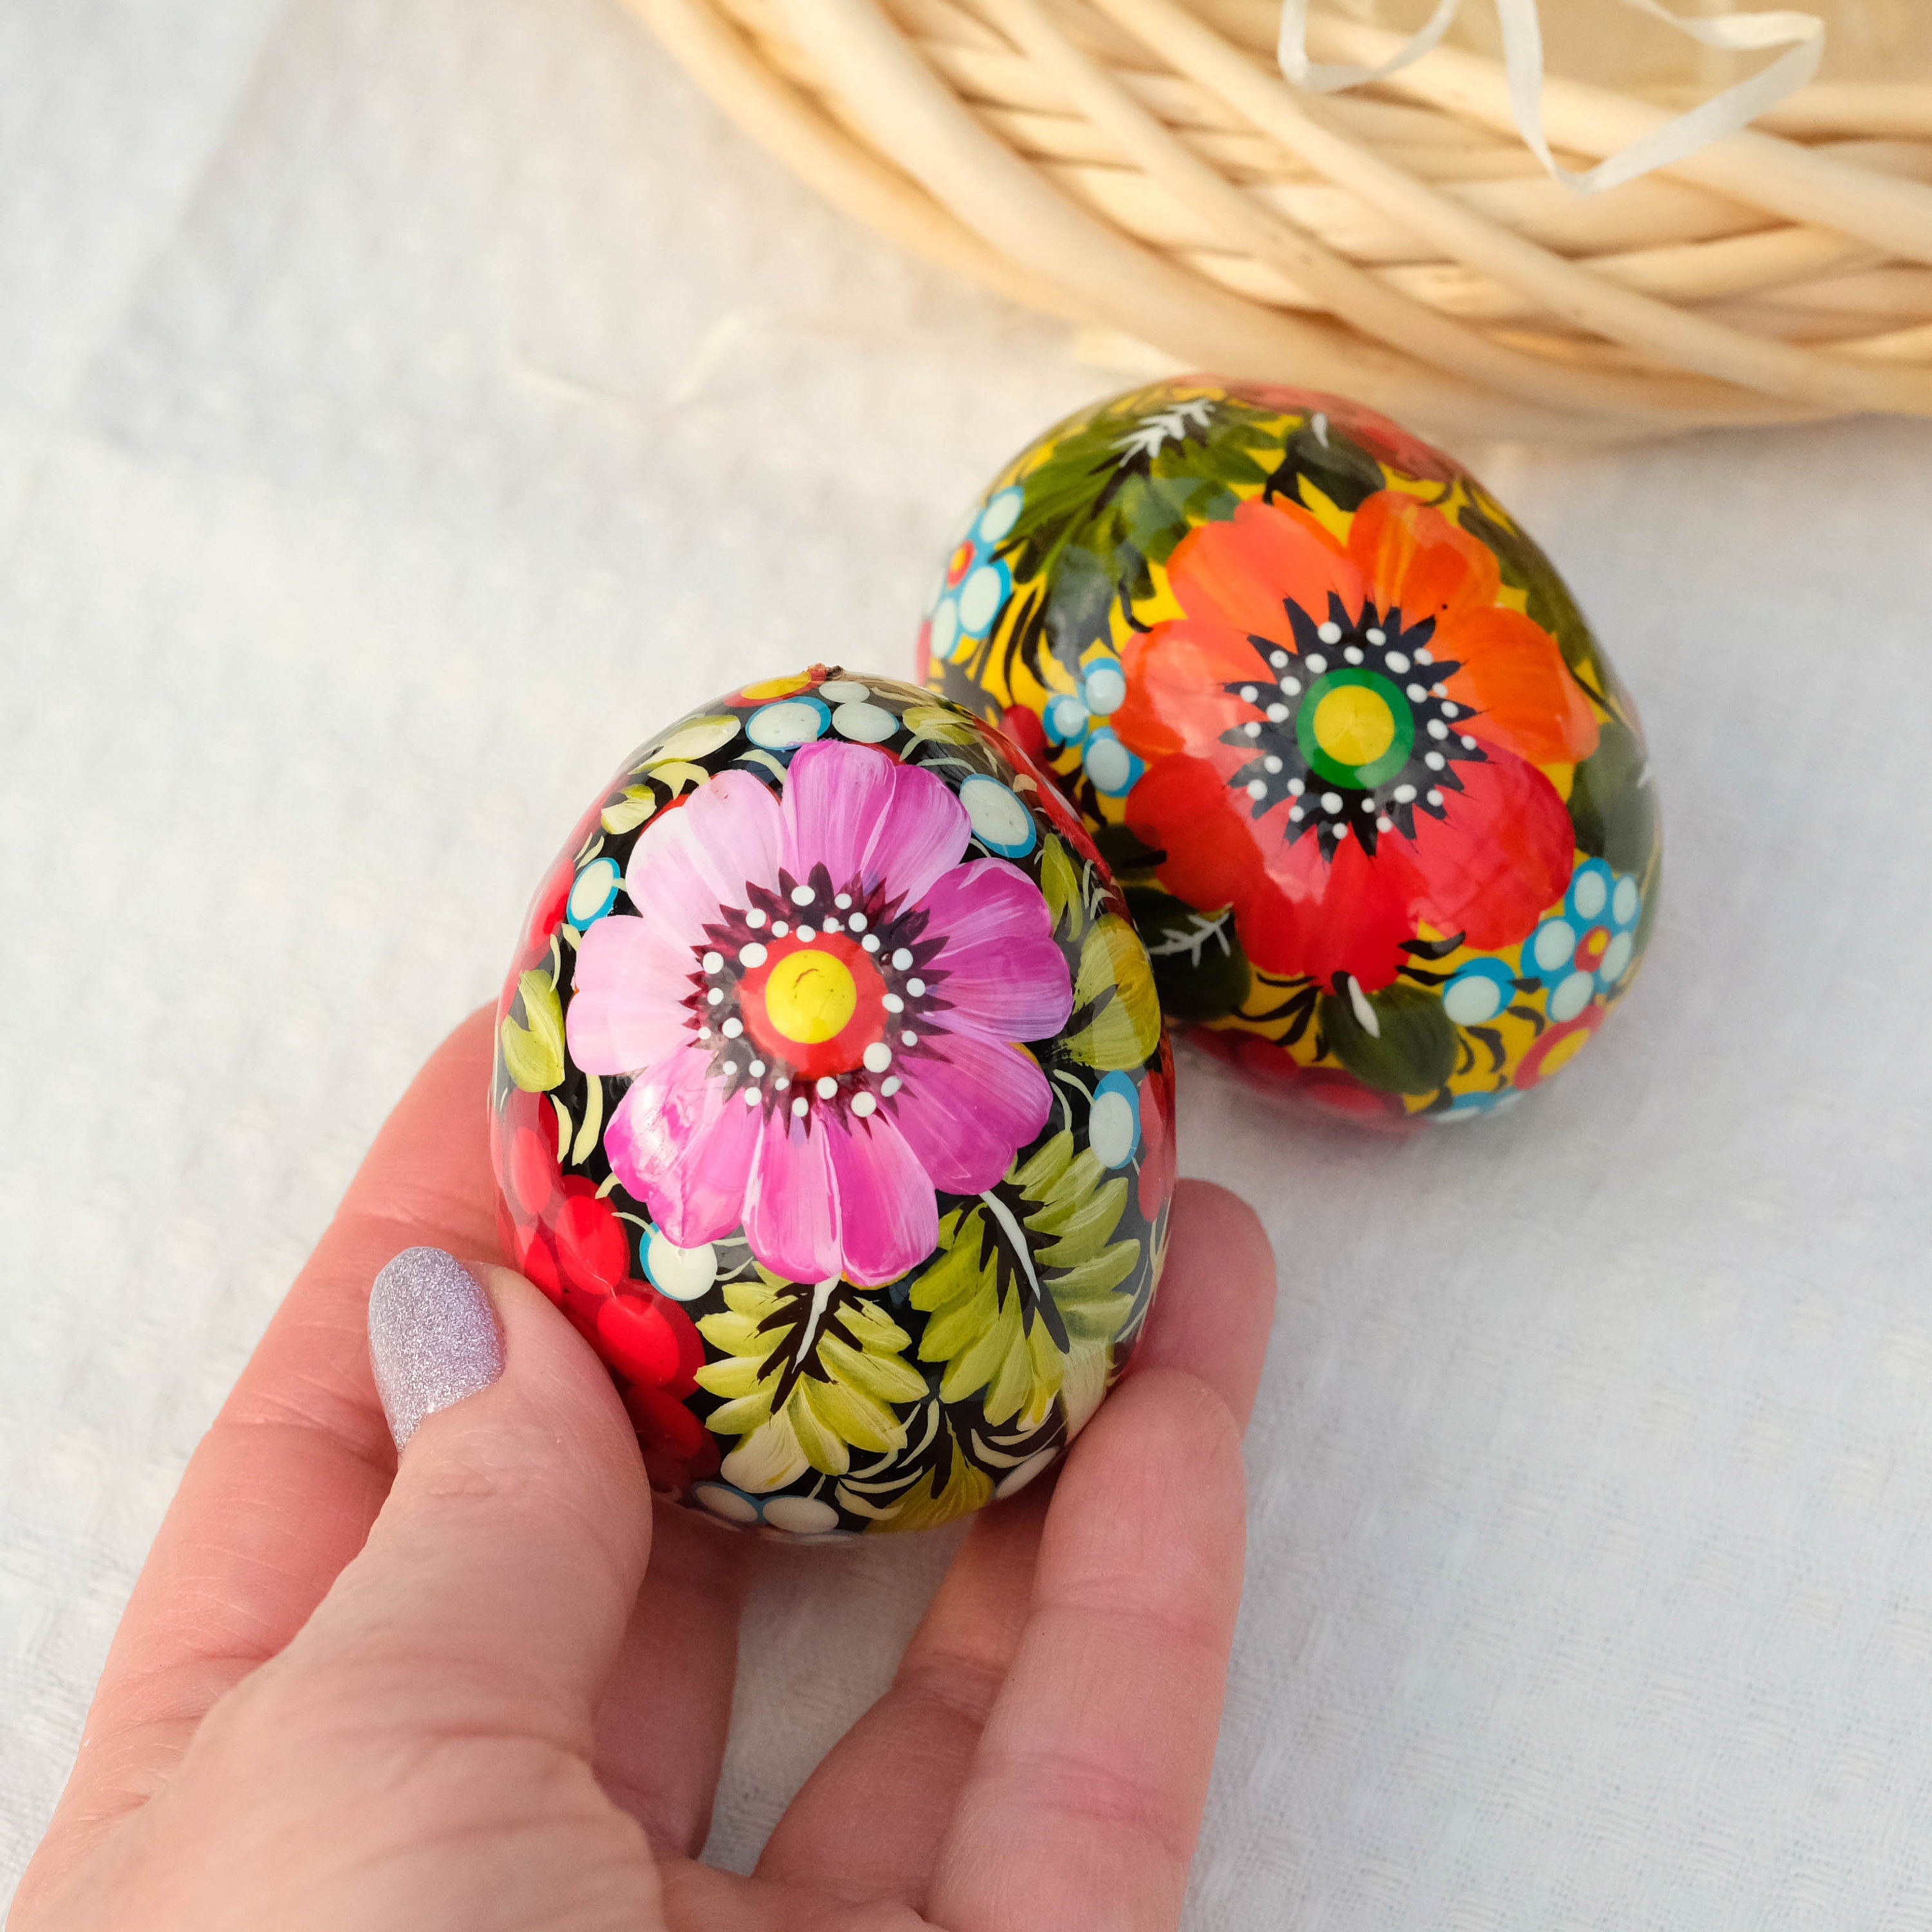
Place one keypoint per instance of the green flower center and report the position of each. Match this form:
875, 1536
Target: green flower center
1355, 728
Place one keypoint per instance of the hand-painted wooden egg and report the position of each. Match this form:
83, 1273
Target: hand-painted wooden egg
832, 1105
1381, 805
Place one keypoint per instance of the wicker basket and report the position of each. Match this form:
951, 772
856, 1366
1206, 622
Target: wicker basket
1140, 166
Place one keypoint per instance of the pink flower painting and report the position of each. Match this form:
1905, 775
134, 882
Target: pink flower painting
820, 1004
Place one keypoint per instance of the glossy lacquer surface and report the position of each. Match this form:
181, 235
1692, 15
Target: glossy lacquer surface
1381, 805
832, 1105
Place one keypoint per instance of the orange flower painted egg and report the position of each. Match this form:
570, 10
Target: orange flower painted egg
831, 1103
1381, 805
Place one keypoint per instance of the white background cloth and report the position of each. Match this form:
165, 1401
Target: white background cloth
405, 405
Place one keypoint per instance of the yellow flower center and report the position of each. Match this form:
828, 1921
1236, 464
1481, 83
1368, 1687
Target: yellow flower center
810, 996
1354, 725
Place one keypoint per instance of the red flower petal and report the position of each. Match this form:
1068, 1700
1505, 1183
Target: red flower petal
1495, 864
636, 1339
1514, 678
1416, 560
593, 1252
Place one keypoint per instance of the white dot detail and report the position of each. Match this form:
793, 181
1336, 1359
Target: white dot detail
1330, 633
878, 1057
1396, 660
890, 1085
1317, 664
732, 1027
827, 1087
863, 1104
1331, 801
801, 895
753, 955
902, 959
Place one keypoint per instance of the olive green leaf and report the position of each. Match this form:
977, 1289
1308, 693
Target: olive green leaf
1344, 471
809, 1372
1200, 970
941, 723
1612, 803
1116, 1021
1025, 1277
1398, 1040
629, 809
533, 1052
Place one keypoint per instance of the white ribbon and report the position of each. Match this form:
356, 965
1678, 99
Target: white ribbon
1802, 34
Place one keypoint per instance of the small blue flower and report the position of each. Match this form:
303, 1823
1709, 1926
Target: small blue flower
1080, 720
973, 588
1114, 1124
593, 893
1587, 948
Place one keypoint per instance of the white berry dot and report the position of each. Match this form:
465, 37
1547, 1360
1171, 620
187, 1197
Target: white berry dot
1316, 663
857, 922
732, 1027
714, 962
1376, 636
863, 1104
799, 1105
1278, 658
1434, 796
870, 942
753, 955
754, 919
1271, 763
716, 996
890, 1085
1416, 694
1257, 788
1404, 794
1397, 661
878, 1057
779, 929
1277, 713
1292, 686
1434, 761
1468, 743
1353, 654
916, 988
1331, 801
1425, 657
801, 895
1297, 786
1330, 633
1451, 710
1437, 729
1252, 728
902, 959
1248, 693
841, 900
827, 1087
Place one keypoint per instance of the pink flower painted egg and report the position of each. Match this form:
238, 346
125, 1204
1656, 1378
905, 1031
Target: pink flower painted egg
832, 1104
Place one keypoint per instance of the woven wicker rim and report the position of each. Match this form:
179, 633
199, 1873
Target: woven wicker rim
1141, 166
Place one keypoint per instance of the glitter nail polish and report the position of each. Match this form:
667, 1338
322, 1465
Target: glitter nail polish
433, 1337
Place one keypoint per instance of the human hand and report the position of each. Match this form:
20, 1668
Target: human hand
486, 1688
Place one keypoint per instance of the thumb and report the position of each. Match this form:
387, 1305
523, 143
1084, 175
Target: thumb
500, 1573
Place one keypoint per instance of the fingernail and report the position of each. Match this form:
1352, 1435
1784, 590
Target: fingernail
433, 1337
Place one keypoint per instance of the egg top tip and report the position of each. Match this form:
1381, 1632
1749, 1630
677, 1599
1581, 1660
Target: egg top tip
1381, 808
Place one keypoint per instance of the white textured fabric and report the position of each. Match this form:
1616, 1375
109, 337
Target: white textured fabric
406, 403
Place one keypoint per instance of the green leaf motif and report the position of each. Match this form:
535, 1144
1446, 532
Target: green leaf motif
810, 1371
1200, 971
1612, 803
1026, 1280
1407, 1046
1116, 1022
1344, 472
533, 1052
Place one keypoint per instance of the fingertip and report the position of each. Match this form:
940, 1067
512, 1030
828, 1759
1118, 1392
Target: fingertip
1216, 1300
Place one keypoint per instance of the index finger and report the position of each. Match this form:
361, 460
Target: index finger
281, 1492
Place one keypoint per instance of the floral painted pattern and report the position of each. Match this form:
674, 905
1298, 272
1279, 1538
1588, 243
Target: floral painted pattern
829, 984
1354, 748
